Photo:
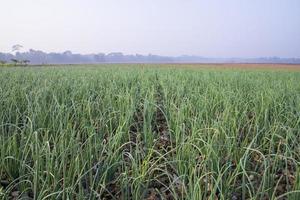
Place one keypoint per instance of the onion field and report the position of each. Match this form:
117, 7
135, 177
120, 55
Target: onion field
142, 132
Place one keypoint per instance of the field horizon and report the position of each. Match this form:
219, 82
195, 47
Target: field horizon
283, 66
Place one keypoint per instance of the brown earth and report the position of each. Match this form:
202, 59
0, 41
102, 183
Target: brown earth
247, 66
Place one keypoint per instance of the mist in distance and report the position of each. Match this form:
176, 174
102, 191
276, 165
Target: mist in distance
169, 28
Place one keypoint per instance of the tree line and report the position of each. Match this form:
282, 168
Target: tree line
38, 57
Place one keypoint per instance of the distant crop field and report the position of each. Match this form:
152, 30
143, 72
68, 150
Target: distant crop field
246, 66
150, 132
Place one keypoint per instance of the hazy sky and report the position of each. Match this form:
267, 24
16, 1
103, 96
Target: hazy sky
215, 28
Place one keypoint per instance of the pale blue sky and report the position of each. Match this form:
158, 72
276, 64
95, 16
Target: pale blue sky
214, 28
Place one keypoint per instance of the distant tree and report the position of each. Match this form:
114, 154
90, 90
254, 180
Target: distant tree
15, 61
26, 62
2, 62
99, 57
68, 53
16, 47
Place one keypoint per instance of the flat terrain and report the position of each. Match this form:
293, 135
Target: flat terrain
292, 67
149, 131
225, 66
246, 66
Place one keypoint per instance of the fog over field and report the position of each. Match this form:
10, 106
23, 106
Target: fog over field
67, 57
210, 29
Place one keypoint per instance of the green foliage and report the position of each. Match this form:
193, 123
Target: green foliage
134, 133
2, 63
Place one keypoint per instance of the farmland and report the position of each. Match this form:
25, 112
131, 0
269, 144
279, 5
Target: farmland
150, 132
